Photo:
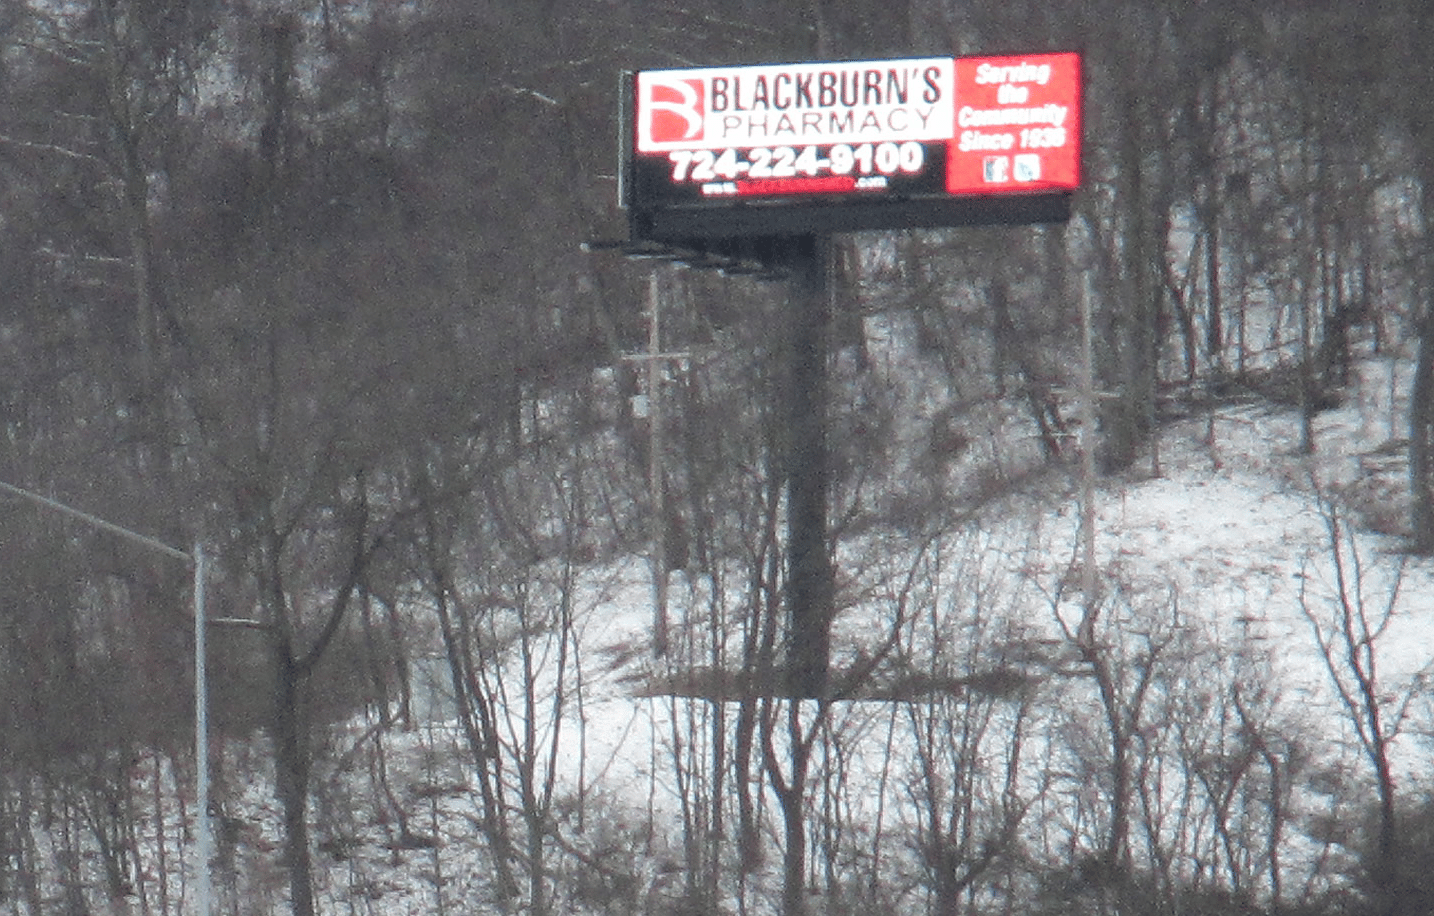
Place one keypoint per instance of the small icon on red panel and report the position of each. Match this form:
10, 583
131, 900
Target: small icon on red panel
673, 109
996, 169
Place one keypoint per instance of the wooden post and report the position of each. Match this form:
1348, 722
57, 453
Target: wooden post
657, 509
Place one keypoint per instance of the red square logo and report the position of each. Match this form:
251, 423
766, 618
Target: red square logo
670, 111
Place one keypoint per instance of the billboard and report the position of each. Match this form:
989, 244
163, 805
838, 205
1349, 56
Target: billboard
835, 146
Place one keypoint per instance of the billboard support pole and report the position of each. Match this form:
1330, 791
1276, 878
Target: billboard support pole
810, 576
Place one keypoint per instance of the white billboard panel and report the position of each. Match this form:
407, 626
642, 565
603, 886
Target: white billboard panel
790, 104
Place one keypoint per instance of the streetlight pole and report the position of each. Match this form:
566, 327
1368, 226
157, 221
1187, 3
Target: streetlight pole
202, 841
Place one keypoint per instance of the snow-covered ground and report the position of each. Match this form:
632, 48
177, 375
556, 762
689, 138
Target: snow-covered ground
1237, 527
1240, 530
1234, 534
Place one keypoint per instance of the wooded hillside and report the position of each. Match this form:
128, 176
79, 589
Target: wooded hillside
303, 282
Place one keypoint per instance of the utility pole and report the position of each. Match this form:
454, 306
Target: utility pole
1089, 396
657, 521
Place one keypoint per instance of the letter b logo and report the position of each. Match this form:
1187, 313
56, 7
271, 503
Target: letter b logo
669, 111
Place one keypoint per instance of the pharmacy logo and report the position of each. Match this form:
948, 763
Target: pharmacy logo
672, 111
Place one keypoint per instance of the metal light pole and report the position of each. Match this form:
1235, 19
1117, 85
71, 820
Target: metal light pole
202, 842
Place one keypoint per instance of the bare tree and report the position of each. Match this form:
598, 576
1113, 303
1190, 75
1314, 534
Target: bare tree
1350, 625
967, 730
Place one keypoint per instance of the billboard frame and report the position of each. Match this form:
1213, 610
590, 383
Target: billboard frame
715, 222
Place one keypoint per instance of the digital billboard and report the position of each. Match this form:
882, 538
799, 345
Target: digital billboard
835, 146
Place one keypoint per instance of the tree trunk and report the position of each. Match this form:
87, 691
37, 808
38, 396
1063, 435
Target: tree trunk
791, 792
1421, 403
1421, 441
481, 732
1128, 419
291, 777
